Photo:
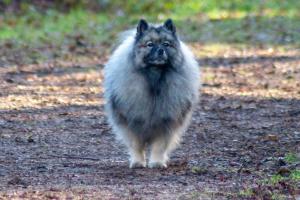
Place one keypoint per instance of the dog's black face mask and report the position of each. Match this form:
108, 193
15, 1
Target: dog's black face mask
156, 46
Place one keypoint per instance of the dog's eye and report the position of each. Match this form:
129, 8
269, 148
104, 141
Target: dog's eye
166, 43
149, 44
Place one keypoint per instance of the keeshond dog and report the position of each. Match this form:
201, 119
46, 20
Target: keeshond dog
151, 87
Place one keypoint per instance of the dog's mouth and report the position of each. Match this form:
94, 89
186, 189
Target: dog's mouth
158, 62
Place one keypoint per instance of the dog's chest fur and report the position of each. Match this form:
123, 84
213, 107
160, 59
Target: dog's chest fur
156, 78
156, 101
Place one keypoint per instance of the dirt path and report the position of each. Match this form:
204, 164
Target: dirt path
55, 142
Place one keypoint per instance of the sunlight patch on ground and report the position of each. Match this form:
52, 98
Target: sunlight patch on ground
13, 102
229, 50
258, 93
226, 71
43, 96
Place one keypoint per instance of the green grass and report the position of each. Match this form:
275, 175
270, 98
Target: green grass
276, 196
248, 30
276, 180
199, 170
53, 26
291, 158
246, 193
295, 175
271, 22
212, 8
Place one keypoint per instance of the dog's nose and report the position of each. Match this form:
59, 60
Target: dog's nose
160, 52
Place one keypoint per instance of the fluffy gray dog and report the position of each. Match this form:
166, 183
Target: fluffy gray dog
151, 87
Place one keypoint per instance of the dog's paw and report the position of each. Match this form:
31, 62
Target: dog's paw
158, 165
137, 165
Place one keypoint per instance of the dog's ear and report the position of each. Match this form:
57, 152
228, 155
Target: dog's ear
142, 27
170, 26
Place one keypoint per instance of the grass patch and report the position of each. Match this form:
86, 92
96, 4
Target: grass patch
251, 30
291, 158
276, 196
53, 27
275, 179
246, 192
295, 175
278, 187
214, 25
199, 170
242, 22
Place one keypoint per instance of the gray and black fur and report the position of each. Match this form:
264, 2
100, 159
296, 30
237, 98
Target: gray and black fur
151, 87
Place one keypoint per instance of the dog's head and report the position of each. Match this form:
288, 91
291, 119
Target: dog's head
156, 45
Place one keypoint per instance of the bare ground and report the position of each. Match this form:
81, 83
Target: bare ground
55, 142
